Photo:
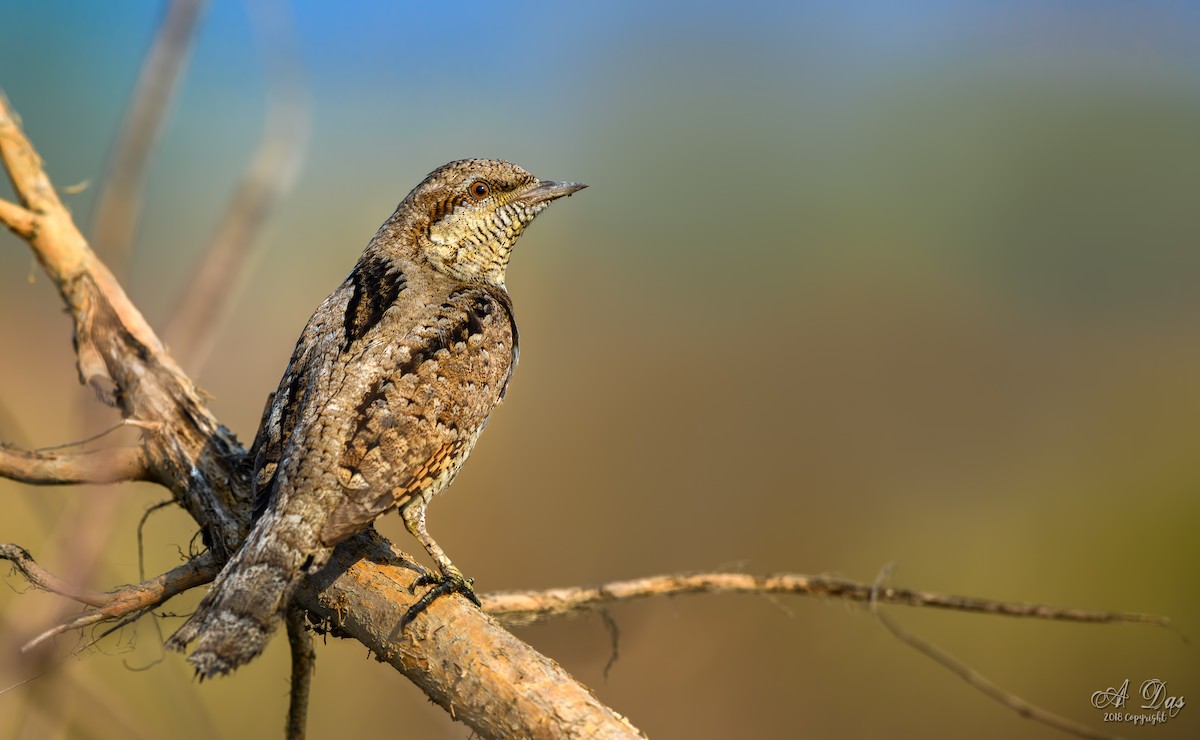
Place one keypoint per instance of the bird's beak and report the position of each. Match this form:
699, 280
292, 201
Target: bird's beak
547, 190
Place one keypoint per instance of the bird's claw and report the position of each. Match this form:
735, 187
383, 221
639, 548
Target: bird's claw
446, 583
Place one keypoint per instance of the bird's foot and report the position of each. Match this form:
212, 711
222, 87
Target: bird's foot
449, 582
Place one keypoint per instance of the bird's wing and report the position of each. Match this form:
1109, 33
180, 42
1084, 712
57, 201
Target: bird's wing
391, 455
417, 415
279, 419
310, 362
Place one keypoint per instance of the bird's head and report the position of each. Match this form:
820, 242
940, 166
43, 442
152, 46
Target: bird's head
467, 215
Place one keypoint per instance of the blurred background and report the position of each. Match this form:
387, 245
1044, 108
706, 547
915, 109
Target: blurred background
855, 284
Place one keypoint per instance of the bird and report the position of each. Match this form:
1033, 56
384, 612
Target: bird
388, 388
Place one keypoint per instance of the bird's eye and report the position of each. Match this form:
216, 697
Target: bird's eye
480, 190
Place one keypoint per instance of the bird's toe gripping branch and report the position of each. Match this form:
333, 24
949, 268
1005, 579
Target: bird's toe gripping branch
449, 582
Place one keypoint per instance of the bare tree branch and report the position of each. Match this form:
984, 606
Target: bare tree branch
121, 357
56, 468
41, 578
113, 605
498, 685
205, 303
19, 220
89, 520
518, 608
119, 203
304, 660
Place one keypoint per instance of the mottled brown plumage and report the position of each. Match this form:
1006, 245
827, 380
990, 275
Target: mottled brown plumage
389, 386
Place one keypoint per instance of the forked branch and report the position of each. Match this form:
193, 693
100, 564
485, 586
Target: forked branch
114, 605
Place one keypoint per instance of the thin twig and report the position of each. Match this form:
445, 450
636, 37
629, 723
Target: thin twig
973, 677
139, 597
140, 539
516, 608
61, 468
118, 204
90, 438
102, 702
205, 303
304, 662
117, 604
41, 578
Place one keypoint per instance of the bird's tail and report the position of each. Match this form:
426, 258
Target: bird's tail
242, 608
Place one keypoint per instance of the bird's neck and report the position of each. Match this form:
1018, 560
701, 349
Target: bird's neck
479, 263
476, 263
449, 247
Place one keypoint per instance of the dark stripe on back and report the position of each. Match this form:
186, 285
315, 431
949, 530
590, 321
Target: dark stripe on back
376, 283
